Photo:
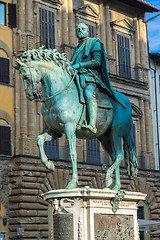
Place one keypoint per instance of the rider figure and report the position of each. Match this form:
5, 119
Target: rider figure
90, 60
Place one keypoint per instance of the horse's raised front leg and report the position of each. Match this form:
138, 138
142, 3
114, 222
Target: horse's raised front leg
41, 139
70, 131
115, 166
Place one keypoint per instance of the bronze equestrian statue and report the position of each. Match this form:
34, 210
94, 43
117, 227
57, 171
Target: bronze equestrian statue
64, 84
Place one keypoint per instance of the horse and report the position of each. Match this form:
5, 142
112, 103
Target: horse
63, 113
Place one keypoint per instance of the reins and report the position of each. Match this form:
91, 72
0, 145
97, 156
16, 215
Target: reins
47, 98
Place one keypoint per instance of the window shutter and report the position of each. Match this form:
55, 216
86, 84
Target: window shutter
4, 70
91, 31
124, 56
141, 215
12, 19
128, 64
5, 140
93, 151
47, 28
134, 132
140, 212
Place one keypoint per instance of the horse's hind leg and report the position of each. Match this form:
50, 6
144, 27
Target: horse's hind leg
70, 131
116, 141
109, 149
41, 139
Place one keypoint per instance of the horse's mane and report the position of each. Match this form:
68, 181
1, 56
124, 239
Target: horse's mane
49, 55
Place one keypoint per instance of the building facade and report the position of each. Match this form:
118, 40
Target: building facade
7, 23
51, 23
155, 101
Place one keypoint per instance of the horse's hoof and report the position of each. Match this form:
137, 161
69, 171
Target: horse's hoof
117, 187
71, 184
48, 164
108, 182
51, 167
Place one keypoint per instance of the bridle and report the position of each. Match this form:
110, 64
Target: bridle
56, 94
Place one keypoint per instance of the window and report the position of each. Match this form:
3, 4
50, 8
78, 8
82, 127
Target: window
52, 149
47, 28
140, 212
12, 19
93, 151
5, 140
141, 215
124, 56
91, 31
134, 133
2, 14
4, 70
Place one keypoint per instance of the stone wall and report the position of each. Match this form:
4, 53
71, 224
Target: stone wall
28, 179
108, 20
4, 189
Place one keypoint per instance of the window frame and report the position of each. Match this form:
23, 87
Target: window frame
53, 7
93, 151
5, 19
48, 14
10, 138
1, 81
12, 15
124, 49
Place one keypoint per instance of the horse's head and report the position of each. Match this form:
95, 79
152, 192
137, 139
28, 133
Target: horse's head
31, 78
41, 65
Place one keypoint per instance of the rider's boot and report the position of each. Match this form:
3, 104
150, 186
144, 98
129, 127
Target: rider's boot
92, 112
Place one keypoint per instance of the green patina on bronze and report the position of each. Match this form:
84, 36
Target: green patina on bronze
104, 114
117, 199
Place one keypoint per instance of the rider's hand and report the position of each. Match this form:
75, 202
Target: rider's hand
76, 66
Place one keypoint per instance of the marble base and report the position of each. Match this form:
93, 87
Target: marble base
86, 214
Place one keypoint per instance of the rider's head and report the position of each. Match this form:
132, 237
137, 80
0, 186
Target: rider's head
82, 31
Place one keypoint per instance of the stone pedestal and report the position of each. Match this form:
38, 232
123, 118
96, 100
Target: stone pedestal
86, 214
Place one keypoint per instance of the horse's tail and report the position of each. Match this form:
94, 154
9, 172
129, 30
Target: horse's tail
130, 154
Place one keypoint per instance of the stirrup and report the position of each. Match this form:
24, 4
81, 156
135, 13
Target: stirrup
92, 128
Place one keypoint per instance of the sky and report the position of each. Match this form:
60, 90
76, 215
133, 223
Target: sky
153, 27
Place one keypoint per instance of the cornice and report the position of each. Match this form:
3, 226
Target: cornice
129, 82
88, 10
124, 24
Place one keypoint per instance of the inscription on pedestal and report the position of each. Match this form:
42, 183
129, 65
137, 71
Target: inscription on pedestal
113, 227
63, 226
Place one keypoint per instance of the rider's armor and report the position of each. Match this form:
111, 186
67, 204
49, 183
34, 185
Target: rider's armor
90, 57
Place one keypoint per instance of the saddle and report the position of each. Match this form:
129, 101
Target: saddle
103, 100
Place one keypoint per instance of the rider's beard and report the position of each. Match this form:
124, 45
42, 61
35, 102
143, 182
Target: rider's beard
82, 40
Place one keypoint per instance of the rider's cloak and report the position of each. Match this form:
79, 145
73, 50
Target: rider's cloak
82, 53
